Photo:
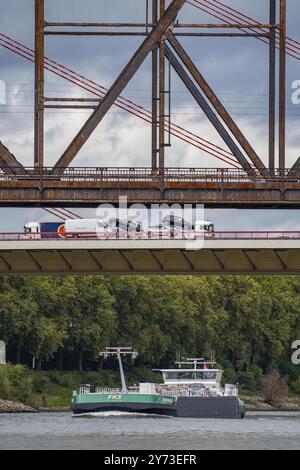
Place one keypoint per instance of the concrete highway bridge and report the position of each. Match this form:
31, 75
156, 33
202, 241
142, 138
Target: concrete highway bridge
227, 253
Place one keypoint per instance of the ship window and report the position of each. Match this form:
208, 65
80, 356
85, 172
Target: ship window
171, 375
209, 375
191, 375
186, 375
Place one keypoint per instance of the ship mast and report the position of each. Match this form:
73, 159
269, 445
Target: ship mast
119, 352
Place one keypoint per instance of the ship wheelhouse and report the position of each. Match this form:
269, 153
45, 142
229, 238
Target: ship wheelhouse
201, 380
207, 377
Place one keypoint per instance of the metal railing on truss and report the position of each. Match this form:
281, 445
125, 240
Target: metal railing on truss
148, 175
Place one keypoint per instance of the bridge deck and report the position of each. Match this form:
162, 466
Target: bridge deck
281, 256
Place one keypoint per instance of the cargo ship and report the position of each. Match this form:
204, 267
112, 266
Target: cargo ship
192, 390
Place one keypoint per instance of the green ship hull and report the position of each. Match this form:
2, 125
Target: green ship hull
124, 402
183, 407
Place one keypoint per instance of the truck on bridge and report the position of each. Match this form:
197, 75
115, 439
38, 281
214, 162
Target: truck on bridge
80, 228
36, 230
170, 228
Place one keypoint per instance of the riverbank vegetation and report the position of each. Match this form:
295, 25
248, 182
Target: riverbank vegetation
52, 390
61, 323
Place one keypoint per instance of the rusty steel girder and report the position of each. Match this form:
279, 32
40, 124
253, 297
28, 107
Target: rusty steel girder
8, 162
91, 187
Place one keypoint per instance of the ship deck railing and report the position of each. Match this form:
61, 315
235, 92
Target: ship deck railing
197, 393
87, 390
164, 391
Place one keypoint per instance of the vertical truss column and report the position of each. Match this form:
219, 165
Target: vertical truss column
282, 85
272, 86
39, 84
154, 89
162, 99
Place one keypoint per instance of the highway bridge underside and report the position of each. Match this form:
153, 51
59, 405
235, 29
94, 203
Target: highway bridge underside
150, 257
91, 194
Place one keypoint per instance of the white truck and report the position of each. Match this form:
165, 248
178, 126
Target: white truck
82, 228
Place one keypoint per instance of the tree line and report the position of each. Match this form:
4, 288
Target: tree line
247, 323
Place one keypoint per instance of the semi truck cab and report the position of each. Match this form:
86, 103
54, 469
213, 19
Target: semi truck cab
40, 230
31, 229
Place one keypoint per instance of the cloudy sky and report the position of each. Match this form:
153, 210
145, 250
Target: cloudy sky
237, 70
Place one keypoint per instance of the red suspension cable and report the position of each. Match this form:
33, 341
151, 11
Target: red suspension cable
231, 14
71, 214
62, 213
251, 20
52, 212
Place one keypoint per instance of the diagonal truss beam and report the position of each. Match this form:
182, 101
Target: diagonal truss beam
207, 109
295, 170
8, 161
128, 72
214, 100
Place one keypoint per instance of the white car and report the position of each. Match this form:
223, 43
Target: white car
161, 232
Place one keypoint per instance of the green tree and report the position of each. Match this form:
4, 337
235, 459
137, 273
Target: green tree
16, 320
45, 340
91, 316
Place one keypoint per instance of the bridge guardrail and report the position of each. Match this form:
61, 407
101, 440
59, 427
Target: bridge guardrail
161, 235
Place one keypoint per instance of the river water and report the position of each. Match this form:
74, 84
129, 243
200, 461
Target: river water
276, 430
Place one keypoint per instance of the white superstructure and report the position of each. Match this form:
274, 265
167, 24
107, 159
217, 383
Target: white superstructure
200, 380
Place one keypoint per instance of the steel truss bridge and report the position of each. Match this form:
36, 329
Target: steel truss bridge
249, 182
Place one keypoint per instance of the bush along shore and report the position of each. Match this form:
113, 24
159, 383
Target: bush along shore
15, 407
25, 390
258, 403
